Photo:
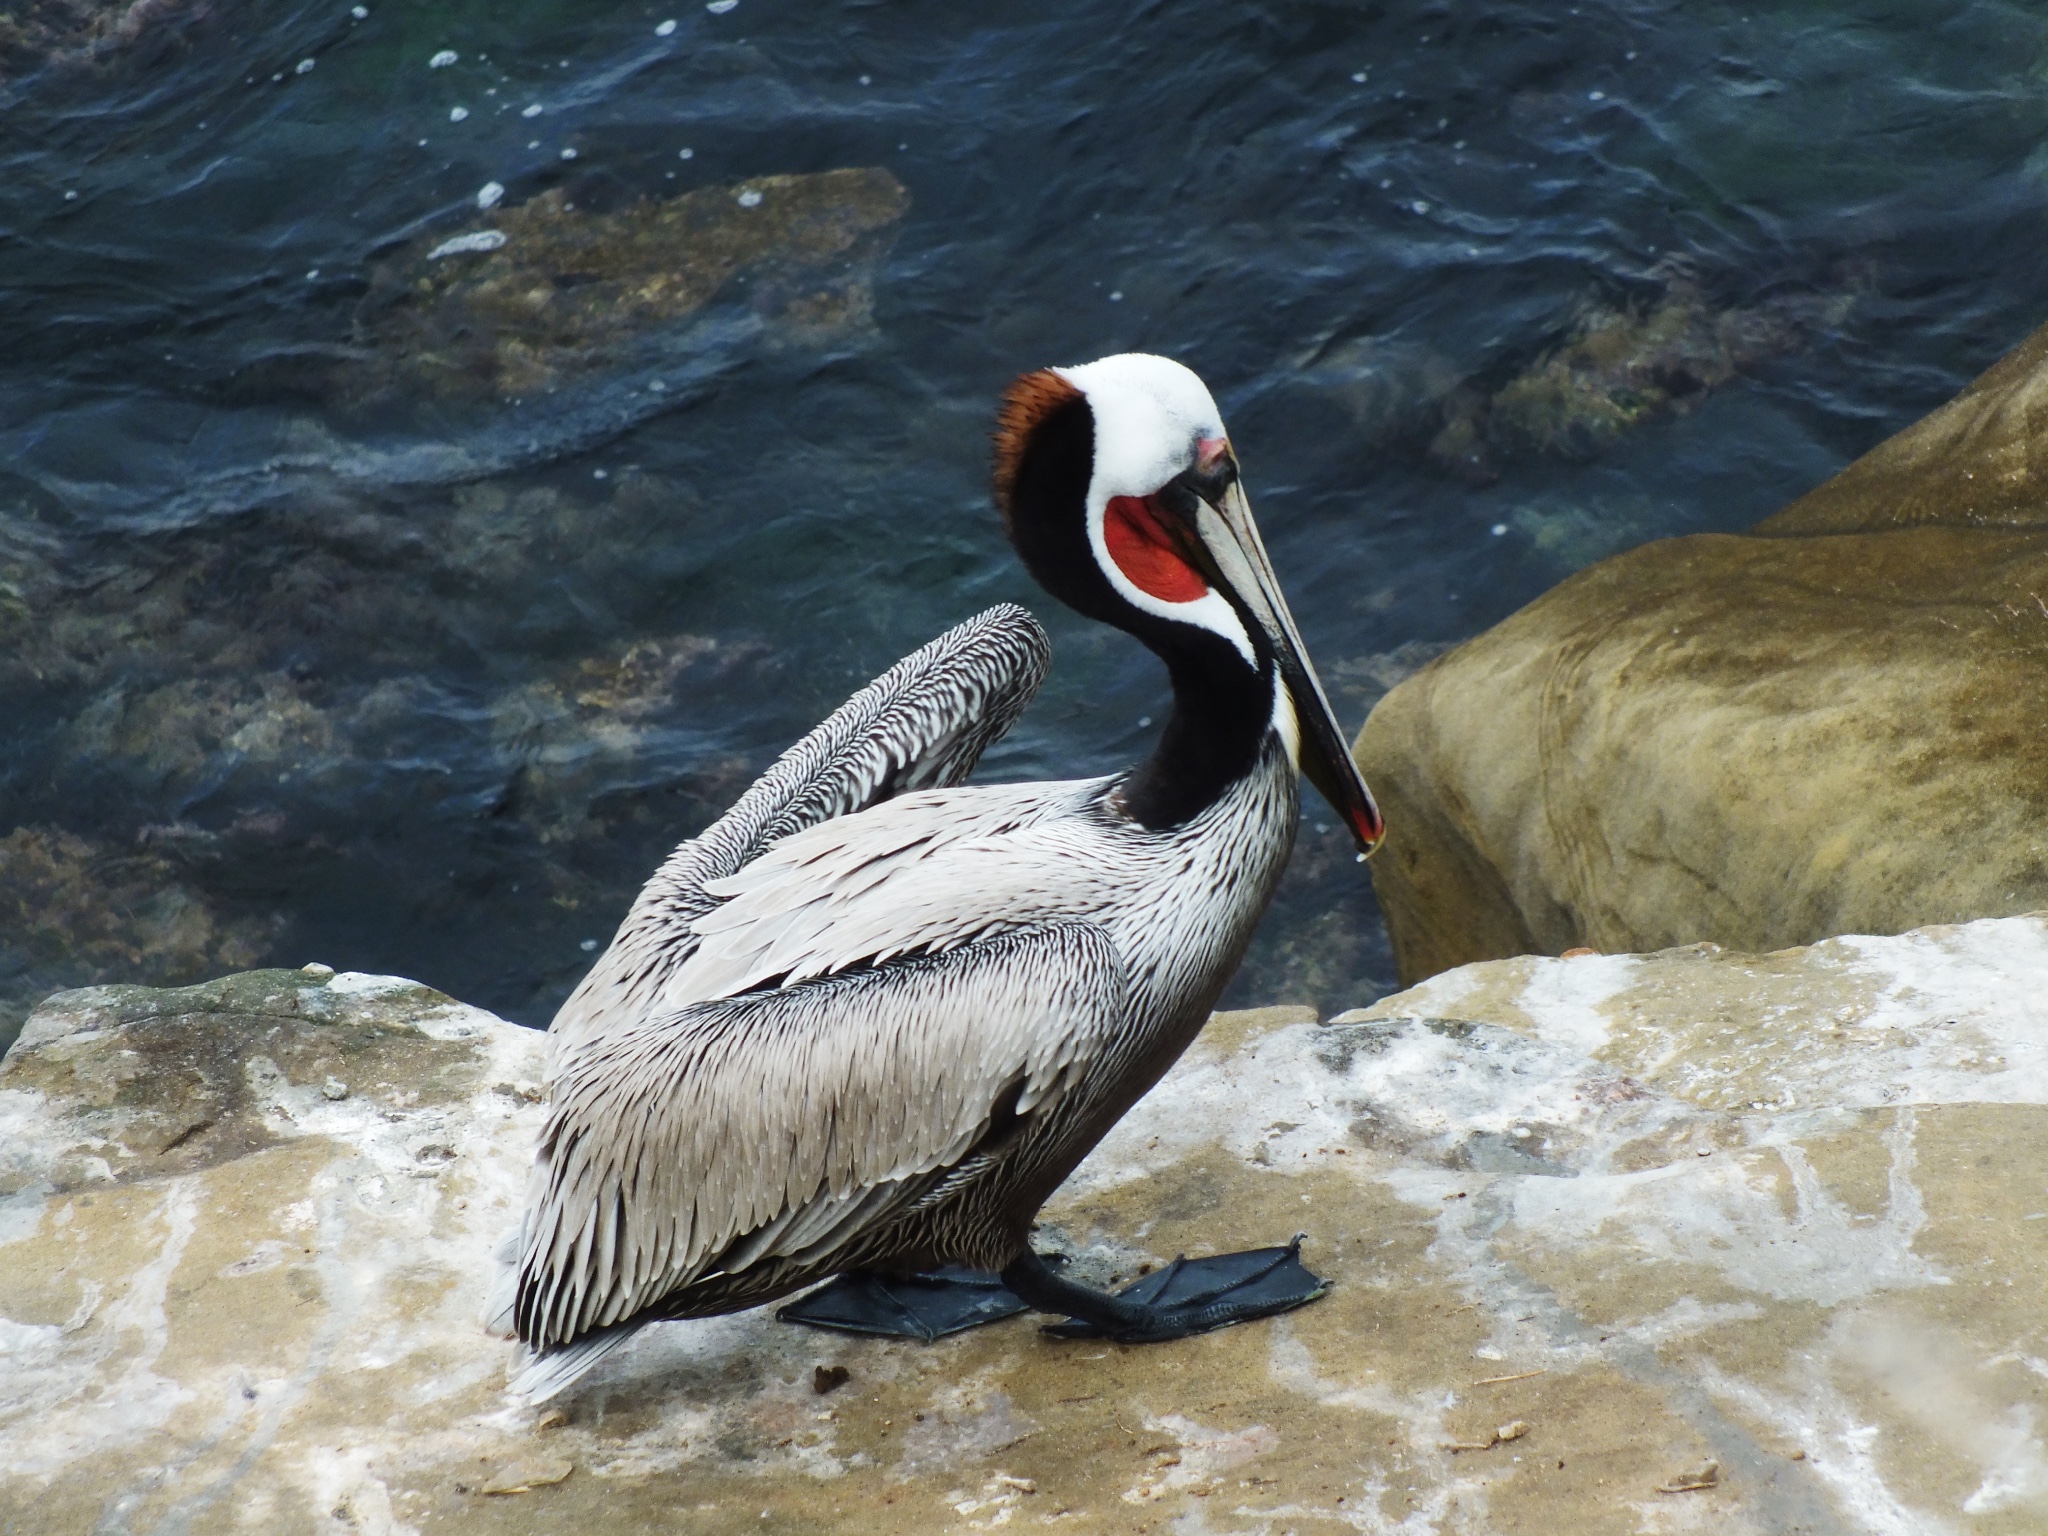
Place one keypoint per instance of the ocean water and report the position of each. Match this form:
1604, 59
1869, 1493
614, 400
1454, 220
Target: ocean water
394, 604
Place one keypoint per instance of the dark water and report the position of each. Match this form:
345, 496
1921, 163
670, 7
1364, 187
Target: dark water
342, 618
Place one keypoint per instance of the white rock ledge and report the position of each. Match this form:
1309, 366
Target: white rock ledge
1596, 1226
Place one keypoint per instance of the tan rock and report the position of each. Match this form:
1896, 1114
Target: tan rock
1595, 1227
1830, 725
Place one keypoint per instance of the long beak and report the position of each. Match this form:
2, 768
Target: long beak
1231, 540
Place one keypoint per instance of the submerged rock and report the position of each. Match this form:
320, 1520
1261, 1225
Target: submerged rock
1611, 364
563, 741
73, 910
1624, 365
74, 32
181, 731
1829, 725
546, 290
1594, 1226
222, 710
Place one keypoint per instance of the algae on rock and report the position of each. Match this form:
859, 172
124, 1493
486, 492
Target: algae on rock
1624, 365
544, 291
74, 911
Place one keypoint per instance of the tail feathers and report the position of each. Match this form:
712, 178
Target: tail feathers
502, 1300
554, 1371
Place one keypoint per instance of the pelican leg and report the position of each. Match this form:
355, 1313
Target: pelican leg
922, 1306
1188, 1296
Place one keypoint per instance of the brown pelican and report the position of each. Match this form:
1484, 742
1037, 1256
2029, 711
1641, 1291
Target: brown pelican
867, 1022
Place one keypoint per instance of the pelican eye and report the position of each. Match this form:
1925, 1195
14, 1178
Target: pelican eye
1179, 497
1194, 482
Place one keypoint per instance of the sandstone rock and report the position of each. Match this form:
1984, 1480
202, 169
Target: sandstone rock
1691, 1241
1829, 725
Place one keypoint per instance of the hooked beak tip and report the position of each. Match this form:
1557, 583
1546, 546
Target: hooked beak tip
1368, 829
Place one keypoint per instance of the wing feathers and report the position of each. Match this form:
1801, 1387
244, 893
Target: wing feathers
545, 1376
922, 874
784, 1123
925, 722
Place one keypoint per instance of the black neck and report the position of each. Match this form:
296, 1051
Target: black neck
1222, 706
1222, 710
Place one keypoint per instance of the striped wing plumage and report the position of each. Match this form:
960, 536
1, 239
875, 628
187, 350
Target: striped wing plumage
710, 1118
920, 875
922, 724
779, 1124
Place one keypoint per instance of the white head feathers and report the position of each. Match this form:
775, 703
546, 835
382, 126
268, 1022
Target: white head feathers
1150, 415
1149, 412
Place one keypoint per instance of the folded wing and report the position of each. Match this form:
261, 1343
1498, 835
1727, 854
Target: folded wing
922, 724
780, 1126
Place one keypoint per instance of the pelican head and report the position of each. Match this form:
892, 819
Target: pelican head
1119, 488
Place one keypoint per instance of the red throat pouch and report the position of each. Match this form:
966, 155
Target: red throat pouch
1134, 528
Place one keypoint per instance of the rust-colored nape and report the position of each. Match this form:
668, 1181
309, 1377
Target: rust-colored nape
1028, 401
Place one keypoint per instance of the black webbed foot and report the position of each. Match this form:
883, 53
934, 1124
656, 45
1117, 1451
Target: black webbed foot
1188, 1296
923, 1306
